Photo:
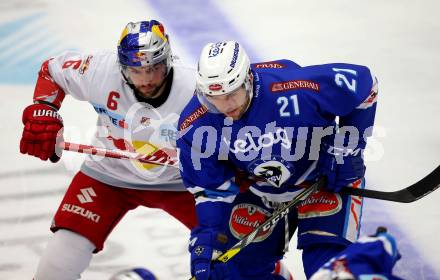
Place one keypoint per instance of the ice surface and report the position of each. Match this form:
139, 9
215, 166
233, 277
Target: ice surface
397, 39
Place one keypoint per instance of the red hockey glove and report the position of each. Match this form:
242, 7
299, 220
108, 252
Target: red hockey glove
42, 125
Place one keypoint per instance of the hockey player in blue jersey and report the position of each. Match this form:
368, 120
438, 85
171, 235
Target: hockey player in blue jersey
252, 137
370, 258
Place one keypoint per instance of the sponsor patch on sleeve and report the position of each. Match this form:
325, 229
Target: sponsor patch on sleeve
269, 64
85, 65
294, 85
199, 112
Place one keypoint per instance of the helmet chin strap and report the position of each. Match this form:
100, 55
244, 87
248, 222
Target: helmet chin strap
249, 86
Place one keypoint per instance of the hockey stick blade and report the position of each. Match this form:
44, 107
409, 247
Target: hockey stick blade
407, 195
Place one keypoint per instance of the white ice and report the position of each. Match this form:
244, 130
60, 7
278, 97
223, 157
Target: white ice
398, 40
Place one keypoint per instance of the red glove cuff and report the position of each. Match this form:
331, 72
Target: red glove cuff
41, 113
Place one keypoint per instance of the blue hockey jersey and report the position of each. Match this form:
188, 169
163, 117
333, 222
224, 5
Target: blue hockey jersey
370, 258
277, 140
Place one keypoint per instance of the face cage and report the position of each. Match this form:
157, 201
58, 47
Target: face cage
168, 64
211, 107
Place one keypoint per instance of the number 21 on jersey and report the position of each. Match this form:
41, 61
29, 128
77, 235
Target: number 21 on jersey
287, 104
341, 78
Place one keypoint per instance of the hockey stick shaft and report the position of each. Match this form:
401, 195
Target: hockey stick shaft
414, 192
158, 159
425, 186
271, 221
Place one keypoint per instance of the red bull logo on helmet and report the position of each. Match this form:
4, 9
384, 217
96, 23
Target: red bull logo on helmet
141, 56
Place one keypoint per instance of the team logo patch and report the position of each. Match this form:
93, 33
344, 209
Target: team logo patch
199, 250
294, 85
85, 65
273, 172
198, 113
269, 65
145, 121
247, 217
320, 204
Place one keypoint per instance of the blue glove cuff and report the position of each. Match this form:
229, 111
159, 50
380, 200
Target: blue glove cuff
207, 237
341, 166
203, 243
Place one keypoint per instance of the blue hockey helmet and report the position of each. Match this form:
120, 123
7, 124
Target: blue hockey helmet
144, 43
134, 274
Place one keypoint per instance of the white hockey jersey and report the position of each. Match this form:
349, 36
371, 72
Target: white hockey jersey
123, 122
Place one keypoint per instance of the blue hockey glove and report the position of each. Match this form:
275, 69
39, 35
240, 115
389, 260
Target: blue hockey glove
341, 166
368, 258
205, 245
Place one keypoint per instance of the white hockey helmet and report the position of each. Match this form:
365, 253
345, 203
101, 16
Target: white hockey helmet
223, 67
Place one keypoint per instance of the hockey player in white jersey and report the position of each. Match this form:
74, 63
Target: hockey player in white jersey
138, 94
